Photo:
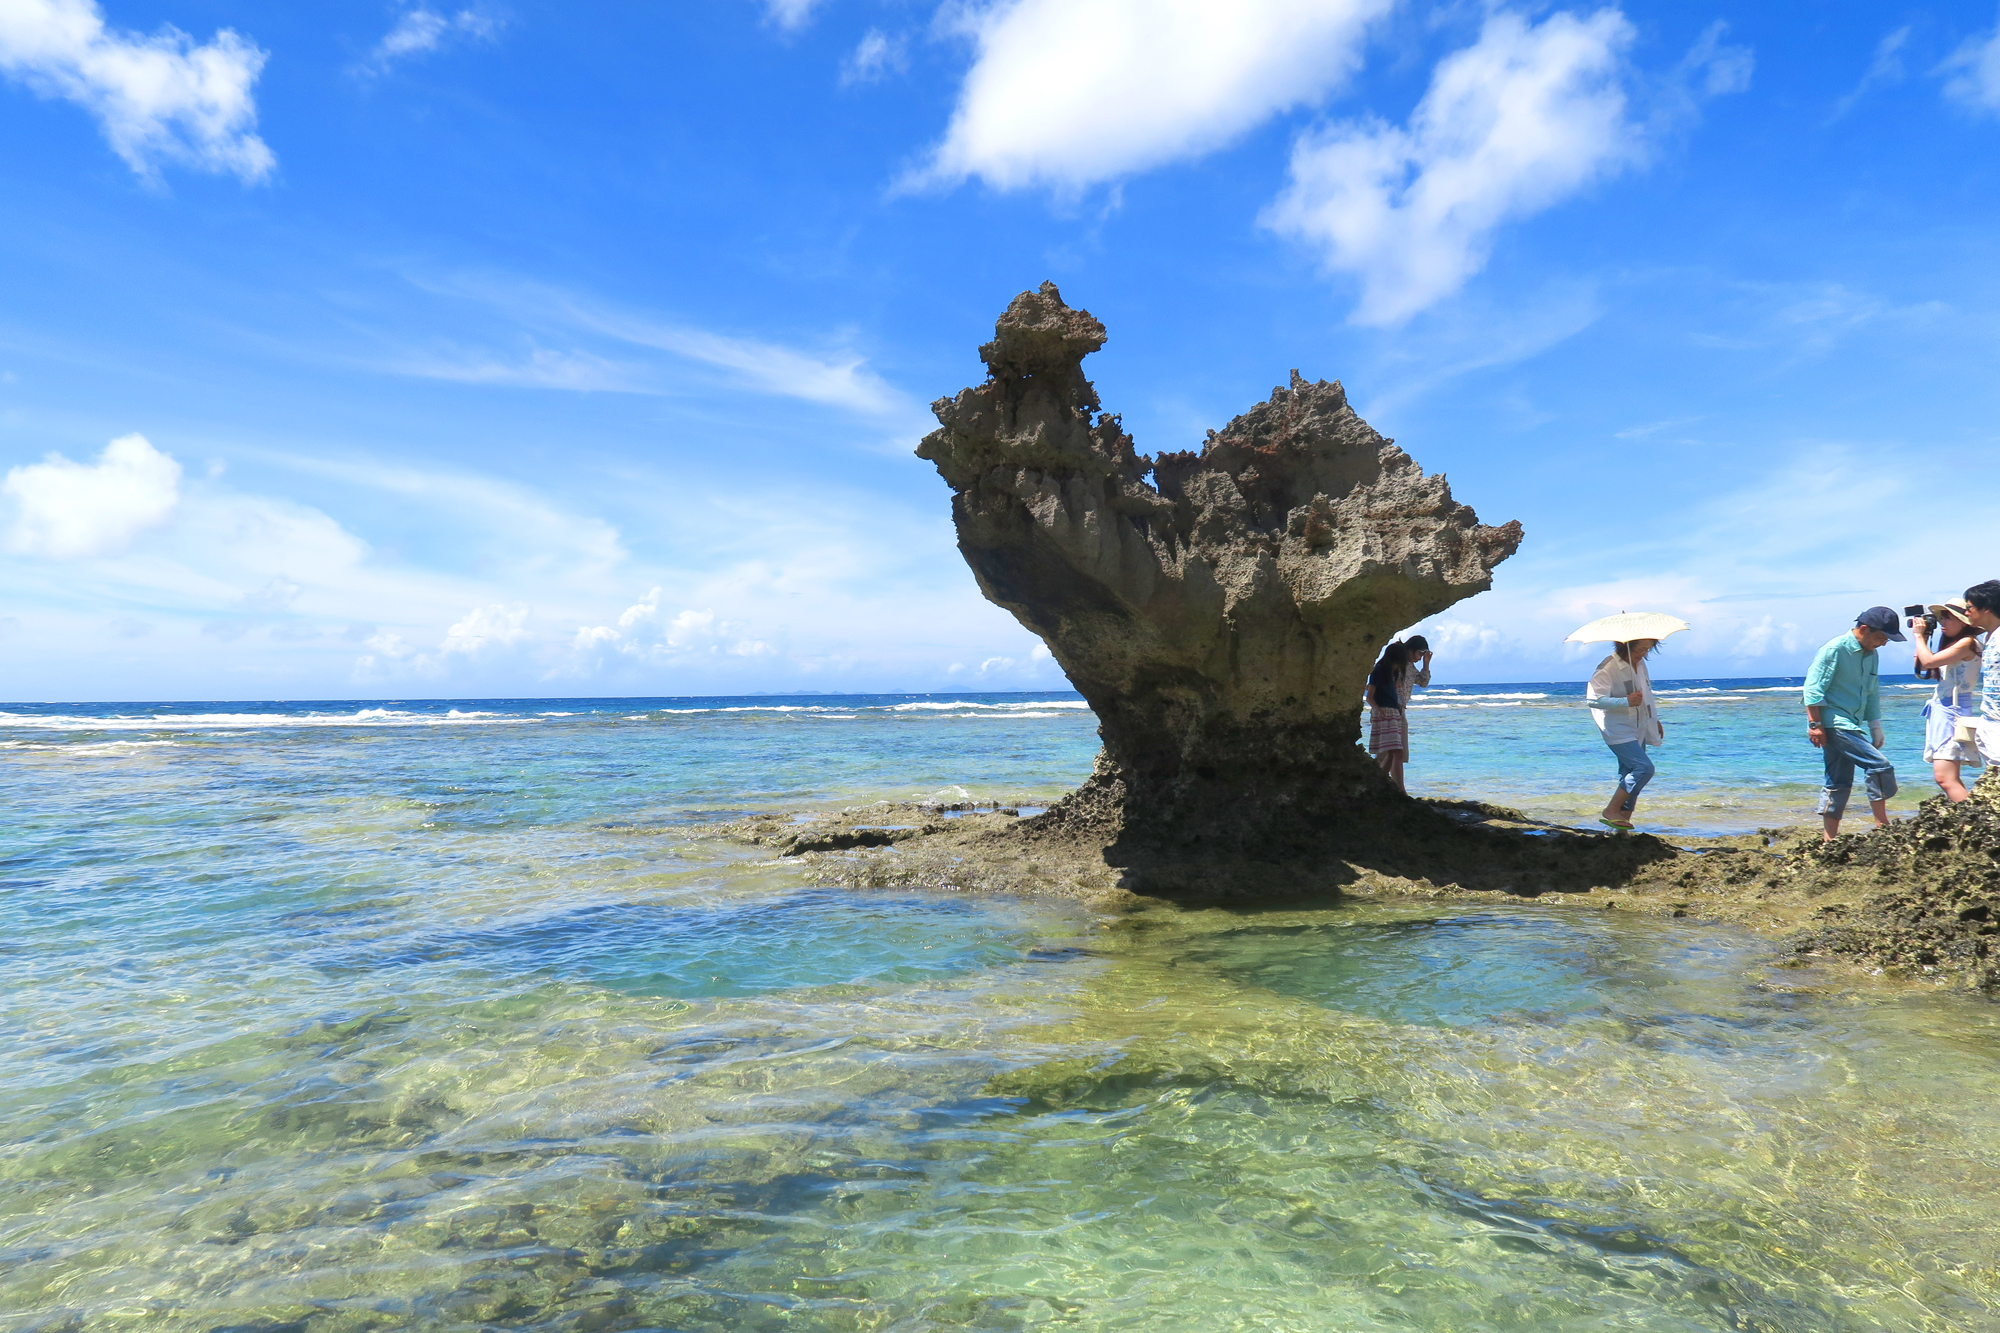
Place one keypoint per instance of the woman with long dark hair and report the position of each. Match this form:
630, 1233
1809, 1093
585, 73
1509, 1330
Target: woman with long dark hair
1621, 703
1388, 729
1951, 714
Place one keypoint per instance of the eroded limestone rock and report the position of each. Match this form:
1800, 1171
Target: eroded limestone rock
1222, 622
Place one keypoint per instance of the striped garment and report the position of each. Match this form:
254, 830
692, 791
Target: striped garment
1388, 729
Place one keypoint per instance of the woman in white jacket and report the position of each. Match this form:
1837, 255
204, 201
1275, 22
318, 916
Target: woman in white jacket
1621, 703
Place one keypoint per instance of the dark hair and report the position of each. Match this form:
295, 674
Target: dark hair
1388, 672
1985, 596
1966, 630
1417, 643
1624, 651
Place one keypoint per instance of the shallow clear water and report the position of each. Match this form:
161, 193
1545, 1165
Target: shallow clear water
325, 1021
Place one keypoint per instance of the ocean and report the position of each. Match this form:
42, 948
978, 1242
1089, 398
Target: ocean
444, 1015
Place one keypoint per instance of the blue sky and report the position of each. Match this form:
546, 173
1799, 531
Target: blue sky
523, 349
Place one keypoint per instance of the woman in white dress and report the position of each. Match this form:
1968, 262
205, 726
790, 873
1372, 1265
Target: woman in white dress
1952, 711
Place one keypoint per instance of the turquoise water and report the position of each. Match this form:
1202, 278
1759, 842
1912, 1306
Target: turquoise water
1736, 756
432, 1016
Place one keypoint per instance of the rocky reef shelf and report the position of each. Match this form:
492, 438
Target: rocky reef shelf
1918, 900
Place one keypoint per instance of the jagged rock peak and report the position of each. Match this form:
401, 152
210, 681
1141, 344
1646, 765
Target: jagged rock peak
1037, 334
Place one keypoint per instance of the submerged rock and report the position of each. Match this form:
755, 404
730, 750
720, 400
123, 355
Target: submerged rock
1221, 621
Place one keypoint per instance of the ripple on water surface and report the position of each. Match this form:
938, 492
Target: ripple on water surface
411, 1028
784, 941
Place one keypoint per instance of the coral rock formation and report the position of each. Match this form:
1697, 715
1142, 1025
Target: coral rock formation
1922, 894
1222, 622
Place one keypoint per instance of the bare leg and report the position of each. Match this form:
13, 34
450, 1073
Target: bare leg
1831, 824
1617, 808
1946, 772
1880, 809
1392, 764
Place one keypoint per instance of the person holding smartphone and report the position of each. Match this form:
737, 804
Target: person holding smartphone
1416, 671
1951, 714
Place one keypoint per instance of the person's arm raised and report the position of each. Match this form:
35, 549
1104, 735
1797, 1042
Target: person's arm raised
1958, 650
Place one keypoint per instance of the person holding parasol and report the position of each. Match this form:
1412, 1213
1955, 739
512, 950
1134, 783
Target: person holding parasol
1621, 702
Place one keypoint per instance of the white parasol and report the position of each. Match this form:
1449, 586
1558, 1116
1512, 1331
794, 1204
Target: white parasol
1627, 626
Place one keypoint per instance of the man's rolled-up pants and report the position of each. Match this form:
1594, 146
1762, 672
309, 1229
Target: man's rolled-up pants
1844, 751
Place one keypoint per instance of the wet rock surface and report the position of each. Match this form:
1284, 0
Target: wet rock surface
1221, 619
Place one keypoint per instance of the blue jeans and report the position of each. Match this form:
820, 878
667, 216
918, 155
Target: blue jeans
1844, 751
1635, 769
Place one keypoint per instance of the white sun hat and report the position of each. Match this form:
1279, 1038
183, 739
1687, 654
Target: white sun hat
1627, 626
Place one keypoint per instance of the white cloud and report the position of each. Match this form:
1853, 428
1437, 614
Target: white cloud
486, 627
388, 643
877, 55
71, 511
277, 594
159, 98
790, 15
648, 632
1072, 92
1510, 126
1458, 638
1974, 73
421, 30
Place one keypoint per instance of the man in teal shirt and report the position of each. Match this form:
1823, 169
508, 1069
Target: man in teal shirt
1844, 696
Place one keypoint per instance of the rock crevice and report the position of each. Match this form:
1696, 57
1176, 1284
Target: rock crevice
1220, 619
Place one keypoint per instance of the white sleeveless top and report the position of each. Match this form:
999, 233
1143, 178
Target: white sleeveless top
1958, 686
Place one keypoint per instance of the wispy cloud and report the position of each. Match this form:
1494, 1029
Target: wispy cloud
1806, 319
877, 56
421, 30
832, 378
790, 15
1885, 70
534, 368
1972, 73
162, 98
543, 534
1472, 336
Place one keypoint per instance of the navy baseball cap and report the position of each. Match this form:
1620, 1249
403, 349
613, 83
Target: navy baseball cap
1883, 619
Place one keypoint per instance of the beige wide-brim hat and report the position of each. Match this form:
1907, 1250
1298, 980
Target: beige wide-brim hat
1958, 606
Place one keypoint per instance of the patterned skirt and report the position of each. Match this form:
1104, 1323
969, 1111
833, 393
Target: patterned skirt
1387, 730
